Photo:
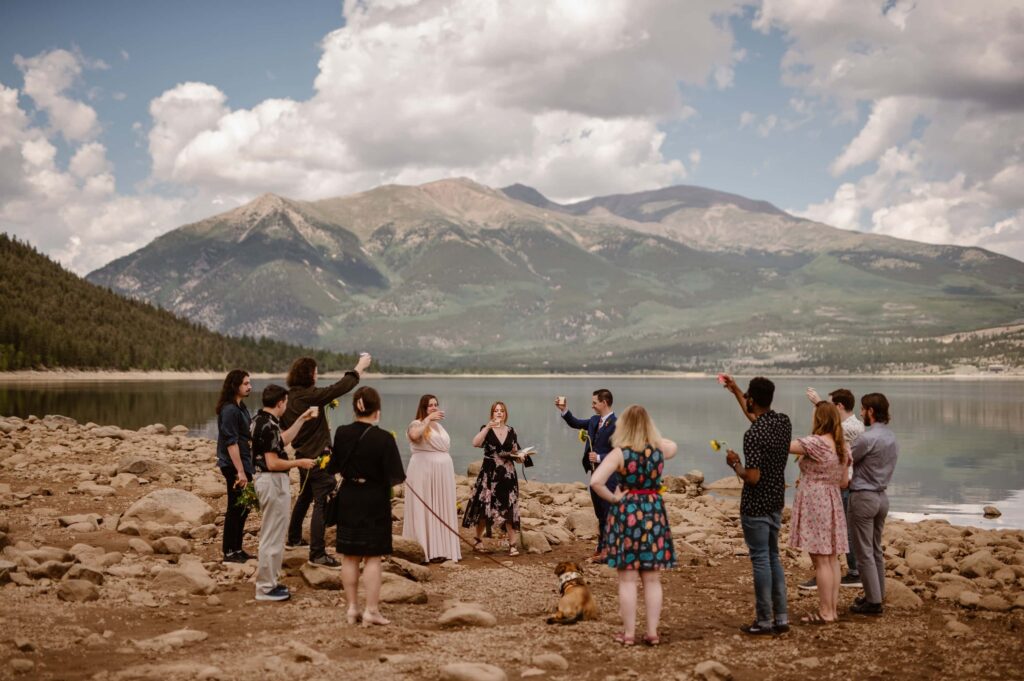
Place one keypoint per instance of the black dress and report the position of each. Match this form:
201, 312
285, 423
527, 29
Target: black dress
370, 465
496, 493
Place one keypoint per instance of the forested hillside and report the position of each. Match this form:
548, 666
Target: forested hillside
51, 318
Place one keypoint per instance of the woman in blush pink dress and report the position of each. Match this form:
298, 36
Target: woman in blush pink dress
431, 474
818, 524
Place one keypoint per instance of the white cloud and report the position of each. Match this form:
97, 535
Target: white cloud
747, 118
47, 77
767, 125
564, 95
943, 143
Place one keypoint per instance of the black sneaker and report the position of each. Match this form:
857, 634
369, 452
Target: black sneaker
780, 628
812, 584
245, 556
236, 557
299, 544
851, 580
325, 561
866, 608
278, 593
860, 600
756, 629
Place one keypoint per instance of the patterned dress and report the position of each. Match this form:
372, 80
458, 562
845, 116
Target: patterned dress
496, 492
638, 531
818, 524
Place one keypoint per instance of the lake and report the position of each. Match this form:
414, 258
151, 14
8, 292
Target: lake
962, 441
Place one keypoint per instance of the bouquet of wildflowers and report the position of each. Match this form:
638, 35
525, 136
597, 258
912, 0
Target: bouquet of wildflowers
248, 499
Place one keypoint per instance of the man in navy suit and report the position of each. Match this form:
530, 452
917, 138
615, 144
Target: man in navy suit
599, 428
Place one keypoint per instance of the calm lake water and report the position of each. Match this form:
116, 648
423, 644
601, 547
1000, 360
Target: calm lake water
962, 442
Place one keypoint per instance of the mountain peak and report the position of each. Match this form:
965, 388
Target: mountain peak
521, 192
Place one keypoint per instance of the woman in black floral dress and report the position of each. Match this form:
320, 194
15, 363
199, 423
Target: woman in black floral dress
496, 492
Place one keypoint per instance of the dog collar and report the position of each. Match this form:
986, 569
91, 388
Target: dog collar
565, 578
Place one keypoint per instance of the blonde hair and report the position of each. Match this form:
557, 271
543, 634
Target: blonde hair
635, 430
827, 421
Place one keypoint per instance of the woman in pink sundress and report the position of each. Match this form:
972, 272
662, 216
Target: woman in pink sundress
818, 524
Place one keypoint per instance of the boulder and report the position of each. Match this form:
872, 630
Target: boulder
170, 506
398, 566
930, 548
143, 467
556, 534
51, 569
979, 564
320, 577
179, 430
396, 589
109, 431
695, 476
473, 469
85, 572
582, 523
957, 629
407, 549
467, 615
90, 518
209, 485
535, 542
172, 545
301, 652
94, 490
78, 591
921, 561
472, 671
190, 577
968, 599
900, 596
140, 546
203, 532
991, 512
729, 483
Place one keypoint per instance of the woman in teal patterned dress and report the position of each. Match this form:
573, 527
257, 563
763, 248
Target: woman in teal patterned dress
639, 539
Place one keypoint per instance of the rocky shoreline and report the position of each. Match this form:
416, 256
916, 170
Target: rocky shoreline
110, 570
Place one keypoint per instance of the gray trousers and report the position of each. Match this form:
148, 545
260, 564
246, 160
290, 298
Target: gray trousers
867, 519
275, 497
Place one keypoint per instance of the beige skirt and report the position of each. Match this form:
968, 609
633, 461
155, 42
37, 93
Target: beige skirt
432, 475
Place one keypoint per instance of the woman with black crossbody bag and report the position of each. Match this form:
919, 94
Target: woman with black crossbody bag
370, 465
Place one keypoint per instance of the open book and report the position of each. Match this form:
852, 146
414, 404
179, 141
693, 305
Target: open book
520, 456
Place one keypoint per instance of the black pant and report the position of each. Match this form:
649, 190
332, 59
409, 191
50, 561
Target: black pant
234, 517
316, 490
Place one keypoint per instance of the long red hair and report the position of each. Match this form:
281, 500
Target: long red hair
827, 421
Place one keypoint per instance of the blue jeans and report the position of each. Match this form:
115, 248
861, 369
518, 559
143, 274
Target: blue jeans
851, 557
762, 536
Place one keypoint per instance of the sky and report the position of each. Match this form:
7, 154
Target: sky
122, 120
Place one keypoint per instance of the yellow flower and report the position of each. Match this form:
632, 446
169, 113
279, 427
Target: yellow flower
333, 404
583, 435
718, 445
662, 489
324, 460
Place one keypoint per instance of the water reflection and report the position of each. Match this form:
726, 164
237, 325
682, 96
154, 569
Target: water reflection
961, 441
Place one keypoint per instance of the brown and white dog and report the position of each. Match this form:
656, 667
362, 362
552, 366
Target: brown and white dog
576, 602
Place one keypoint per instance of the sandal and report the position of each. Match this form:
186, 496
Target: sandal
623, 640
651, 641
815, 619
478, 544
513, 551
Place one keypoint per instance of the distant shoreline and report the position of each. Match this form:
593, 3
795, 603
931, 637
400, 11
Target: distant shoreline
73, 376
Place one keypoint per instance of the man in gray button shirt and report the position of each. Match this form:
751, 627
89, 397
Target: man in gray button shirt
874, 460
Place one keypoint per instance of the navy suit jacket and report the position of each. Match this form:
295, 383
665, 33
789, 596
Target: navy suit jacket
601, 439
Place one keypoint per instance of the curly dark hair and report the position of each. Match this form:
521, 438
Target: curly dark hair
301, 373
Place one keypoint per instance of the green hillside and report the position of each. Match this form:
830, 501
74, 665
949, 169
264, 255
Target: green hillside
50, 318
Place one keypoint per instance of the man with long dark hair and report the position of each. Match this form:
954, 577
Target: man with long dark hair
234, 458
313, 440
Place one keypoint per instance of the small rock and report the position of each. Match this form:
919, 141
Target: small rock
179, 430
303, 653
582, 523
994, 602
921, 561
992, 512
214, 601
396, 589
958, 629
23, 644
78, 591
172, 545
172, 640
472, 671
20, 665
170, 506
535, 542
190, 577
140, 546
467, 614
712, 670
208, 531
550, 662
531, 672
85, 572
809, 662
407, 549
51, 569
900, 596
979, 564
320, 577
968, 599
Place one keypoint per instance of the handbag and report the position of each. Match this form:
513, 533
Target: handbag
331, 505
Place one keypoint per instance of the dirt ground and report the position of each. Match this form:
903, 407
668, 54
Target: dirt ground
704, 606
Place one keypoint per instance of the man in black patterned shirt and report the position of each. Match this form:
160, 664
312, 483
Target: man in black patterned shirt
766, 450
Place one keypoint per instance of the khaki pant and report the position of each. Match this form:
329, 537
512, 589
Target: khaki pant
275, 497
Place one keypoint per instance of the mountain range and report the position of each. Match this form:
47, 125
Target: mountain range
456, 275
